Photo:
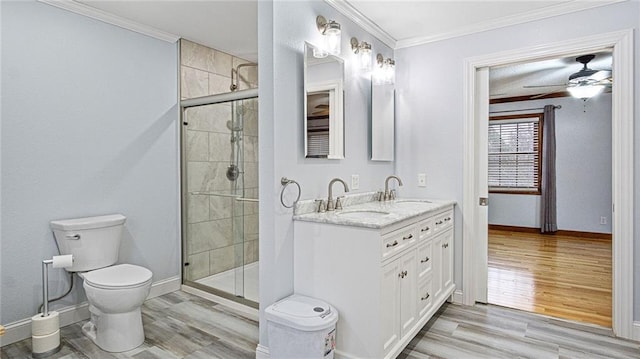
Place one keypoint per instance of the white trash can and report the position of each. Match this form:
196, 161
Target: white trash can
301, 327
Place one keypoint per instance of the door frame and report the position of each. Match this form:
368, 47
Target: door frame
474, 258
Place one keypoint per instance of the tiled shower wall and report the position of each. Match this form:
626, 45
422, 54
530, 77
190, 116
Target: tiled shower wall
211, 246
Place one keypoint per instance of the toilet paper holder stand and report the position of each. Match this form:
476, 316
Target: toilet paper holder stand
44, 345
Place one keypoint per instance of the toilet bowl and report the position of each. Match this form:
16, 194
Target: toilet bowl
115, 295
115, 292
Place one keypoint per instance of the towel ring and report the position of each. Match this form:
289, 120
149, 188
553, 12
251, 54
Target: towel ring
285, 182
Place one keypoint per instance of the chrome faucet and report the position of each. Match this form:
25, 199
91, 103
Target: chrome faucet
330, 203
387, 195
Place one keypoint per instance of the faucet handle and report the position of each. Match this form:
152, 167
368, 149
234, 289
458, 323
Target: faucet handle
321, 206
339, 202
392, 194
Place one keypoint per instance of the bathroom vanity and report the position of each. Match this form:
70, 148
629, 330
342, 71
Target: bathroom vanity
386, 267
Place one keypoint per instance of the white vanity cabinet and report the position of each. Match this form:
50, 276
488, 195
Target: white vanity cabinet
385, 282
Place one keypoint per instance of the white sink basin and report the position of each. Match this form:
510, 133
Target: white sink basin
362, 213
401, 201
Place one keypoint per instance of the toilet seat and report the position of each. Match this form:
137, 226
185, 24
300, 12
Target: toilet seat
121, 276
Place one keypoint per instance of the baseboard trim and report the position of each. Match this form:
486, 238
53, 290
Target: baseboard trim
562, 232
636, 331
252, 313
262, 352
456, 297
165, 286
21, 329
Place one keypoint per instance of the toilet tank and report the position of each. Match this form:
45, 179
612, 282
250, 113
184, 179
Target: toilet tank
94, 242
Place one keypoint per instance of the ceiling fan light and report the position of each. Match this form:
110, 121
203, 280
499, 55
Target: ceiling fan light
585, 91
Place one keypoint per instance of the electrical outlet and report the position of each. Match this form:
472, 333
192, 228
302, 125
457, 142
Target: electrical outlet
422, 180
603, 220
355, 181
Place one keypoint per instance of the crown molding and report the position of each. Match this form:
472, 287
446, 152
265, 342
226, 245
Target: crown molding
539, 14
112, 19
364, 22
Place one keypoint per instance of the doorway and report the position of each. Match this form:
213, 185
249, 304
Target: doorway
565, 274
476, 84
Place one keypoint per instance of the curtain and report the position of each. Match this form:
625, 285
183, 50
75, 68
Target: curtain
548, 216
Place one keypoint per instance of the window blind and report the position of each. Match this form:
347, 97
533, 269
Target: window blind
514, 155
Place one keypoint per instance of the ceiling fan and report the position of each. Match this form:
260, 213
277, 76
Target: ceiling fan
583, 84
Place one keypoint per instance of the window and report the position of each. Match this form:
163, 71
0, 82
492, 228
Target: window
515, 154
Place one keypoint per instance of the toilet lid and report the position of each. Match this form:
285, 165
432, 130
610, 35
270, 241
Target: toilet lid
118, 276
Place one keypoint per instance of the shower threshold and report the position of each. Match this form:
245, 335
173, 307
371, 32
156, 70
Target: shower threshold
225, 281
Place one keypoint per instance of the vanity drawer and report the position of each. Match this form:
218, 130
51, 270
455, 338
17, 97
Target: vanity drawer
424, 258
396, 241
442, 221
425, 229
424, 295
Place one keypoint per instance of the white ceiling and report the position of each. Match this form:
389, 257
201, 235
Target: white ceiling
231, 26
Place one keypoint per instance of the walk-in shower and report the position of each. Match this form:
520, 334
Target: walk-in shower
220, 193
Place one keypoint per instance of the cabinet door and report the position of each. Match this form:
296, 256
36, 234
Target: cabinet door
390, 305
424, 295
447, 258
408, 283
437, 266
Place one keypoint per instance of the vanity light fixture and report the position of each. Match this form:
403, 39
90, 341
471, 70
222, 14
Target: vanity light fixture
363, 53
385, 71
331, 33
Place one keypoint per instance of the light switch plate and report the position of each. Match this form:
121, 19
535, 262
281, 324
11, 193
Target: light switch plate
422, 180
355, 181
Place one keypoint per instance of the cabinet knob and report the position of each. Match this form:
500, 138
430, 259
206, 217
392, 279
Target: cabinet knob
402, 274
395, 243
446, 245
425, 297
425, 260
447, 219
424, 229
407, 237
439, 222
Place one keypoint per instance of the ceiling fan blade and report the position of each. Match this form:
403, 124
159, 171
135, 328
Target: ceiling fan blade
601, 75
543, 94
538, 86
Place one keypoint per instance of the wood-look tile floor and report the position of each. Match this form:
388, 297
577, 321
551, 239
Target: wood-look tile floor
180, 325
176, 325
562, 276
487, 331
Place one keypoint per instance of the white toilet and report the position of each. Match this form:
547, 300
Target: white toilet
115, 292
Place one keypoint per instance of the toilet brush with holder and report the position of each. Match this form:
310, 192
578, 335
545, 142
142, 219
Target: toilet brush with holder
45, 326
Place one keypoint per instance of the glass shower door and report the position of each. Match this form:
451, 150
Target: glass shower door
220, 219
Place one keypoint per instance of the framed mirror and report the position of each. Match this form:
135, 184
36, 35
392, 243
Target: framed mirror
382, 122
323, 105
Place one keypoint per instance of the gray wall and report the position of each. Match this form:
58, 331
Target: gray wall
430, 118
283, 27
583, 163
89, 127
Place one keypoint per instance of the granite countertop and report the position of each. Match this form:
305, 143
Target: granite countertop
359, 212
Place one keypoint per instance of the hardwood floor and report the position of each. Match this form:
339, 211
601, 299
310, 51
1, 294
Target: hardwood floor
180, 325
563, 276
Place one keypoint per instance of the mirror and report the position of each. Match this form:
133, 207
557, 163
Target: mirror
382, 122
323, 105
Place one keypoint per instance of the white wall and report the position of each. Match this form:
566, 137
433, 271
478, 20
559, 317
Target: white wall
430, 100
89, 127
583, 166
283, 27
